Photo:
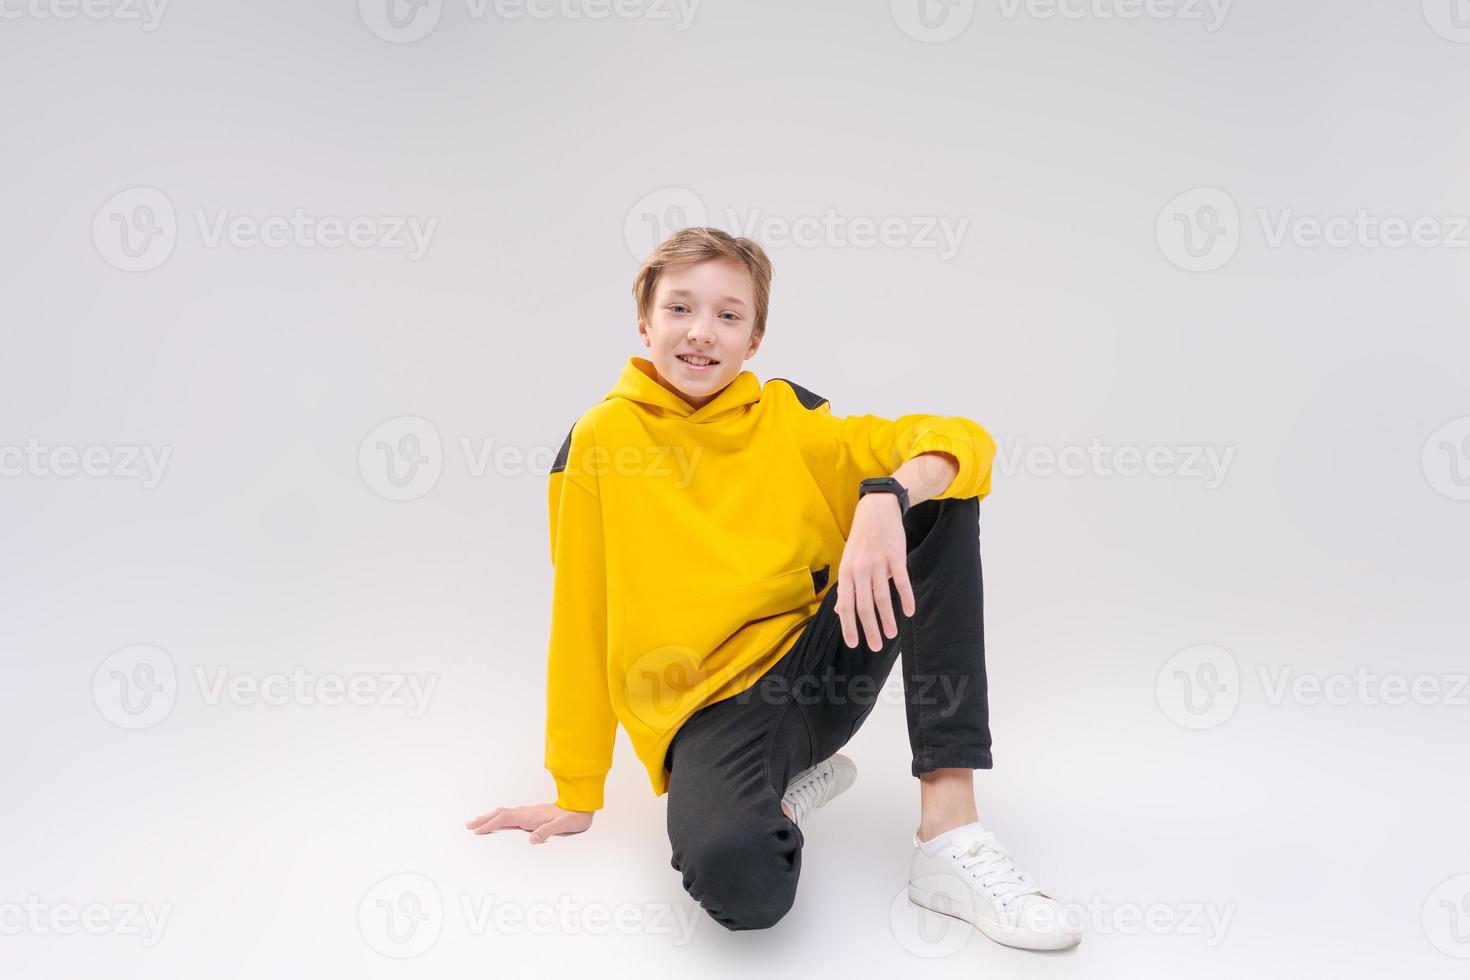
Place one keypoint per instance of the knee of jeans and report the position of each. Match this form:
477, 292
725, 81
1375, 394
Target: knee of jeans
744, 880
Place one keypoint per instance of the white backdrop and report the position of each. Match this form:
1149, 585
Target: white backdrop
1199, 267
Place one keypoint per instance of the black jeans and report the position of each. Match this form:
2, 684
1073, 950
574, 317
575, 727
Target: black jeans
730, 761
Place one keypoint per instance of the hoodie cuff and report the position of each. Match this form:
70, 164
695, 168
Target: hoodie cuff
962, 450
579, 791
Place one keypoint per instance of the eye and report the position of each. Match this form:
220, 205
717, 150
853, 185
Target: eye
733, 316
677, 307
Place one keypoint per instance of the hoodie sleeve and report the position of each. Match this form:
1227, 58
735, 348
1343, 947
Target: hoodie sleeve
841, 451
580, 723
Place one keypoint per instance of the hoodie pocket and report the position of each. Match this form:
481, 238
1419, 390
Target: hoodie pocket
674, 645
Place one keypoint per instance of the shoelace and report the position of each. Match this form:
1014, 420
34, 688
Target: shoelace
804, 796
992, 865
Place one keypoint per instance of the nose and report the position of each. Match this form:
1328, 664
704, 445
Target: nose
700, 333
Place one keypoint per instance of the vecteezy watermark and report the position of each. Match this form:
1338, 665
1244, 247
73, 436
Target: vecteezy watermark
836, 688
1210, 13
932, 21
406, 21
137, 687
147, 13
1446, 916
568, 916
1450, 19
1194, 462
1200, 230
1362, 686
403, 915
937, 21
123, 461
932, 916
660, 213
1446, 459
1201, 686
137, 229
1363, 229
403, 457
35, 917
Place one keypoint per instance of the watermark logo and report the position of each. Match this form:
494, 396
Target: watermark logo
1199, 687
1199, 230
1210, 13
1446, 459
147, 13
406, 21
402, 458
35, 917
1446, 916
1450, 19
400, 21
135, 230
932, 21
401, 916
568, 916
125, 461
1363, 229
1362, 687
136, 687
657, 683
657, 215
302, 687
932, 916
1209, 464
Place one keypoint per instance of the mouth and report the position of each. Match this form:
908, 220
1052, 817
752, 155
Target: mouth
696, 363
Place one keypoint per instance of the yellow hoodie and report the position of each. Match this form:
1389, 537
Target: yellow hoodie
690, 547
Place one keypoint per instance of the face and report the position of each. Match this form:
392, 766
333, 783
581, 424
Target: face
702, 309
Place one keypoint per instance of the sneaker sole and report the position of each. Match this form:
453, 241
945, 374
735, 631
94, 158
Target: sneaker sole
995, 931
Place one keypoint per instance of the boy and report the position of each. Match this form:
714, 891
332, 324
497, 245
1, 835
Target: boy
695, 517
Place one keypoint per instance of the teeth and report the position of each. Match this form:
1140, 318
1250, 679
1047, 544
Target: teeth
696, 360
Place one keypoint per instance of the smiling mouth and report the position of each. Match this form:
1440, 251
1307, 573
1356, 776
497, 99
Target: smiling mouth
707, 362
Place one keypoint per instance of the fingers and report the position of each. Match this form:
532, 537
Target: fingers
483, 818
867, 589
865, 598
844, 607
859, 584
502, 818
905, 588
555, 825
884, 601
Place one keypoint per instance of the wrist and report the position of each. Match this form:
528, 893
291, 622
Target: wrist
887, 486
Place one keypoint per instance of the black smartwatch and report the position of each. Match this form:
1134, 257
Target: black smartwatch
886, 484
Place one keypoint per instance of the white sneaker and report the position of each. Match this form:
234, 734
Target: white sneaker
965, 873
813, 788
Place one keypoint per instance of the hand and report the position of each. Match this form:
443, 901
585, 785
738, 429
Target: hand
542, 820
877, 549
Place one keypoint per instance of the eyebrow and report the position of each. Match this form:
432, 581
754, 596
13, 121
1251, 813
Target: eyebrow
732, 300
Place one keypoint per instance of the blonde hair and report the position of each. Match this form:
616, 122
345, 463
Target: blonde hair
690, 245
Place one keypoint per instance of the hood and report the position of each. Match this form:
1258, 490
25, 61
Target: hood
638, 383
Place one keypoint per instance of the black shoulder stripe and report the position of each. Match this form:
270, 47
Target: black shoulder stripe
808, 398
560, 463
